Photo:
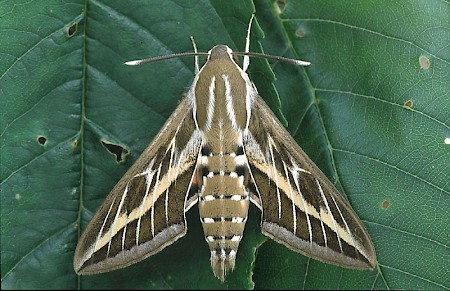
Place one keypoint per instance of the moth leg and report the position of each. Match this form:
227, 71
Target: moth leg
256, 200
197, 67
190, 202
247, 45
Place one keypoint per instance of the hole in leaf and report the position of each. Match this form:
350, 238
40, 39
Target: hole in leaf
447, 140
385, 204
117, 150
424, 62
72, 30
408, 104
42, 140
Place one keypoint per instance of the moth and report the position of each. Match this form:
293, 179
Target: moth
221, 149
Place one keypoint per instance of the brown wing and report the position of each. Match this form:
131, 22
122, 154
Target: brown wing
145, 211
300, 207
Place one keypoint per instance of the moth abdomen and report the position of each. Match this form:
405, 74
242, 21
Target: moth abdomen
223, 220
223, 205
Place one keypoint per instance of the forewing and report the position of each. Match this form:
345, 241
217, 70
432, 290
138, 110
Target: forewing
300, 207
145, 211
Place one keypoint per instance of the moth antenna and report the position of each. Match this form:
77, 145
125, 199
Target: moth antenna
275, 58
196, 54
161, 58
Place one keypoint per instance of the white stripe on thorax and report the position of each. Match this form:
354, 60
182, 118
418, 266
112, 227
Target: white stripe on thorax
211, 99
229, 101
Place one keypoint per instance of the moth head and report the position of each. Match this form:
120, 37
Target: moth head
220, 52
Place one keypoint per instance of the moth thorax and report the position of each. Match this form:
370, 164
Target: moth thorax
223, 206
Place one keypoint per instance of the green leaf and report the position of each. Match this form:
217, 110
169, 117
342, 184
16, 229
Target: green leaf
70, 111
391, 162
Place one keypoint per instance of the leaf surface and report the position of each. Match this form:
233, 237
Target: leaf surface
74, 119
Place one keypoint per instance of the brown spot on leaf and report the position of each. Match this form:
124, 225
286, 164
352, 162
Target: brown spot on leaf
300, 33
424, 62
408, 104
385, 204
74, 143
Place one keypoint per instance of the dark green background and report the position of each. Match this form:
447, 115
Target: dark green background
346, 110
